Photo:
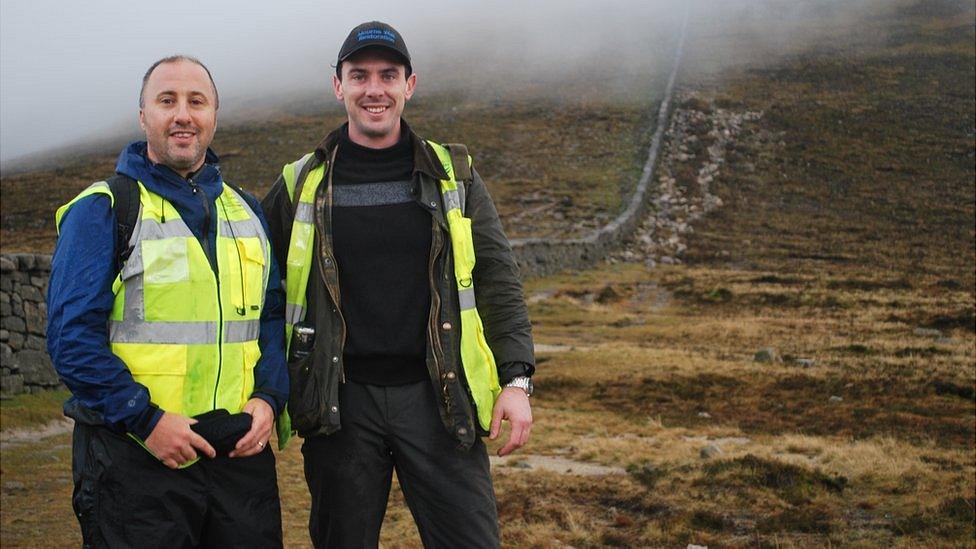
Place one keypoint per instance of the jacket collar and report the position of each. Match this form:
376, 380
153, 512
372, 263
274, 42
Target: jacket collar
134, 162
424, 158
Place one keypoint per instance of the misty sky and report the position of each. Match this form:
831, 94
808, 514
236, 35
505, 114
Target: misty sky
70, 70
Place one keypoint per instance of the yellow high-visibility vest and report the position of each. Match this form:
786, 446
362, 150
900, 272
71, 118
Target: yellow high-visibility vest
476, 357
190, 338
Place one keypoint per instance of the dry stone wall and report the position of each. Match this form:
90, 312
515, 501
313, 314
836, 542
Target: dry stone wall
24, 363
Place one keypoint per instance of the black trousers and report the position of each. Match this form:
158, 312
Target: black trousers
349, 473
124, 497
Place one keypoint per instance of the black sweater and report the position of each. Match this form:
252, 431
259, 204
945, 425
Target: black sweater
382, 243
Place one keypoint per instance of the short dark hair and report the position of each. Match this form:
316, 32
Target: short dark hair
177, 59
406, 64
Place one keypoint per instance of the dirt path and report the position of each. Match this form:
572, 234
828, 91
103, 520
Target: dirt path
17, 437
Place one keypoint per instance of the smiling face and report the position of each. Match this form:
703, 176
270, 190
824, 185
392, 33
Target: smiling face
179, 115
374, 88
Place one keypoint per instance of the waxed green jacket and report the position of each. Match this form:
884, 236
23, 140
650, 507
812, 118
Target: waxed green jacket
314, 402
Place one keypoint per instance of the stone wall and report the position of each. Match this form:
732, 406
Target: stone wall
24, 363
538, 256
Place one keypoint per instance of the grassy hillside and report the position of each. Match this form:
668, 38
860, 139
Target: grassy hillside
845, 244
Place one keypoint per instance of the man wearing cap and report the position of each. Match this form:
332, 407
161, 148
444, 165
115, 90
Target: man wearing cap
408, 328
165, 320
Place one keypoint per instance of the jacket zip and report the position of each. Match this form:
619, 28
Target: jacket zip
220, 308
324, 254
435, 304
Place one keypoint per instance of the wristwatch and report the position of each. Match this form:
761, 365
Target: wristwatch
522, 382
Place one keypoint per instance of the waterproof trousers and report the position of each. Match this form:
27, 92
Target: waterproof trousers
124, 497
387, 428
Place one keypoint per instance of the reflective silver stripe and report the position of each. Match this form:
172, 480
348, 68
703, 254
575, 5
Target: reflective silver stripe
177, 333
466, 298
460, 192
256, 229
300, 165
154, 230
452, 200
305, 213
241, 229
294, 313
239, 331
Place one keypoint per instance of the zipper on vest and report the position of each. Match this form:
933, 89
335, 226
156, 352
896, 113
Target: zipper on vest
220, 338
216, 277
207, 221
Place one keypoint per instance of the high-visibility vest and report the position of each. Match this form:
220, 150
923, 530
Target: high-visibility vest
476, 357
190, 338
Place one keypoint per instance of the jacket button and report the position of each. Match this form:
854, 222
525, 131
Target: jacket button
328, 261
433, 204
450, 375
335, 359
462, 431
335, 409
446, 325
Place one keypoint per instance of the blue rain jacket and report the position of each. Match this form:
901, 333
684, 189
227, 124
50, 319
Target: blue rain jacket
80, 297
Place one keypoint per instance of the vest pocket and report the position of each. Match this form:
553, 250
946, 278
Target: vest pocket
252, 273
161, 368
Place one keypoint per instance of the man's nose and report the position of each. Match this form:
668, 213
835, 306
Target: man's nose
374, 87
183, 113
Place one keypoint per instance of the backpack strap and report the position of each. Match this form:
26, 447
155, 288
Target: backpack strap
125, 191
461, 164
460, 160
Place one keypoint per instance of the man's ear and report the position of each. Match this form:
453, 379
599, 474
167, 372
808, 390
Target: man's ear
142, 120
337, 87
411, 86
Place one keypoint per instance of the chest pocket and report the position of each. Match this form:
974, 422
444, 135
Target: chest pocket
248, 290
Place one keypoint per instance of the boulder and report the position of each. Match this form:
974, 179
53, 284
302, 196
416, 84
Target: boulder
710, 451
12, 384
768, 354
927, 332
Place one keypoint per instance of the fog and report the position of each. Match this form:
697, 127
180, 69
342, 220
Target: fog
71, 71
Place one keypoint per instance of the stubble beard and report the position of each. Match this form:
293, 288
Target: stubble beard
179, 159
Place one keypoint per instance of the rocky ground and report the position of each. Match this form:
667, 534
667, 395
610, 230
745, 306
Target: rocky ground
693, 155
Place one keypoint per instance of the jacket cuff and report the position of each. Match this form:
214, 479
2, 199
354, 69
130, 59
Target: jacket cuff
145, 422
270, 399
511, 370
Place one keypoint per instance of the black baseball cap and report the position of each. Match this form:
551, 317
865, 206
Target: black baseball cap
374, 35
